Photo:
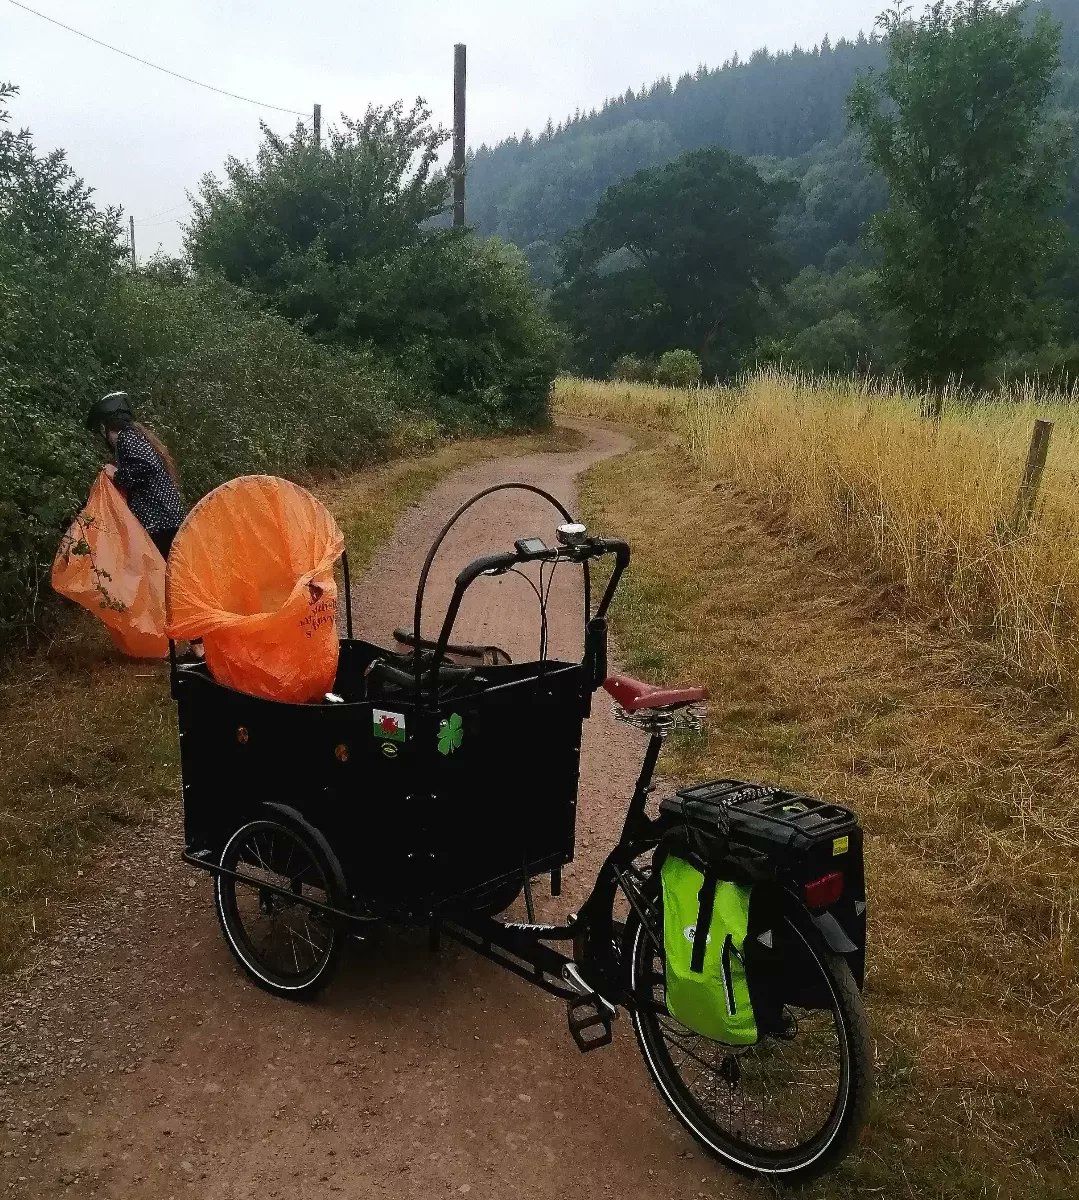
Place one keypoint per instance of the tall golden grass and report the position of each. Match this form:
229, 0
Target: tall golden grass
927, 504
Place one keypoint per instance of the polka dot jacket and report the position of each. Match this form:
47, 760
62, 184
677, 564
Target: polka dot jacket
151, 494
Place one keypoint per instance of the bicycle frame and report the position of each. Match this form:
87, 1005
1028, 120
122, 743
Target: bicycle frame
521, 947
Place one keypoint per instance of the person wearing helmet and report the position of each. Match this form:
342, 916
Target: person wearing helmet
144, 469
145, 473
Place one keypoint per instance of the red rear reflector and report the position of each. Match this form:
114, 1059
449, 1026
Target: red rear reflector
821, 893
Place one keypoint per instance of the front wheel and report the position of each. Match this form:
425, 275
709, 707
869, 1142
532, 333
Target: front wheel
785, 1109
284, 945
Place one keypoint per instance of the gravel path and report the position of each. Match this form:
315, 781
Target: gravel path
136, 1062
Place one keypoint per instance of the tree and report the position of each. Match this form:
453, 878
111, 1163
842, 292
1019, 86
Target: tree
956, 121
342, 239
681, 255
311, 228
829, 323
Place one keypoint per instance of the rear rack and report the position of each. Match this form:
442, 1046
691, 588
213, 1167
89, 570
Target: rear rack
791, 810
759, 824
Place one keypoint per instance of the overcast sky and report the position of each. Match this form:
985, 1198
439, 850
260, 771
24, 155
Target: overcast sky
142, 139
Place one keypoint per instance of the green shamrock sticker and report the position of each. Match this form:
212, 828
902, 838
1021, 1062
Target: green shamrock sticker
450, 734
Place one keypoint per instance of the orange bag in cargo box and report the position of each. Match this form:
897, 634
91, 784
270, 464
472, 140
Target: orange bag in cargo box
107, 563
251, 574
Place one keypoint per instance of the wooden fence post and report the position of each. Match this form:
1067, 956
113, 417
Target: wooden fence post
1032, 475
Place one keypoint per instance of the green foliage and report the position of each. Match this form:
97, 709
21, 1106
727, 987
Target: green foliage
313, 228
235, 390
230, 384
832, 324
58, 254
787, 105
678, 368
342, 239
957, 124
477, 337
631, 368
684, 252
787, 112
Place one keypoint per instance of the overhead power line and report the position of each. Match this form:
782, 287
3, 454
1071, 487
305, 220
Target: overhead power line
155, 66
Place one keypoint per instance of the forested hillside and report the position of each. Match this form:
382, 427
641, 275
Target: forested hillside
784, 109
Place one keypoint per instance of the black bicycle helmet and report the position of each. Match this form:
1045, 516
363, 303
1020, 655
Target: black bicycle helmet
113, 411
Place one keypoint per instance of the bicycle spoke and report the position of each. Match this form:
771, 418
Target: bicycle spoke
281, 933
769, 1097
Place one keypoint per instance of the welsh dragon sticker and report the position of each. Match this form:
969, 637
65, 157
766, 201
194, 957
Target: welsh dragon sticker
389, 726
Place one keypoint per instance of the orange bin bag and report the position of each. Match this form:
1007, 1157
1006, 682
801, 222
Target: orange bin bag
107, 563
251, 574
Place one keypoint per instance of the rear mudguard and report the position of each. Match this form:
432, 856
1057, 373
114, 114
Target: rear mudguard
843, 931
834, 935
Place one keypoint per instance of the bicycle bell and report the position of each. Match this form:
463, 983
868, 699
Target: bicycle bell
572, 533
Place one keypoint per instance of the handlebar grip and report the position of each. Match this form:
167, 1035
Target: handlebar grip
488, 562
617, 547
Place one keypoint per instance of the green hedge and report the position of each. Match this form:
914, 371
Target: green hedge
232, 386
231, 390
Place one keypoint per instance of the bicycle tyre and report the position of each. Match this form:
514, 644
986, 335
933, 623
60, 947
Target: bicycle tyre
270, 851
791, 1165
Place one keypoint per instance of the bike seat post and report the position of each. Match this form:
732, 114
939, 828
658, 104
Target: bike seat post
644, 781
658, 723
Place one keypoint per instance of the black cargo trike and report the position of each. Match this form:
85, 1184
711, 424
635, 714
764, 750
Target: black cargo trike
437, 783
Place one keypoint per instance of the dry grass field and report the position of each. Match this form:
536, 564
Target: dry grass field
926, 505
826, 677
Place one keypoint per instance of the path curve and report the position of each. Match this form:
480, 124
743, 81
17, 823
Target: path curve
139, 1064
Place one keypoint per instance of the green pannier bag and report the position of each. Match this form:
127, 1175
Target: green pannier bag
705, 924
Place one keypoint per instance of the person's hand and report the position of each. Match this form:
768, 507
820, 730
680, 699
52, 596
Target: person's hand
110, 471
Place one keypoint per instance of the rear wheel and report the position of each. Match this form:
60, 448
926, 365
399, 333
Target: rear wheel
789, 1107
284, 945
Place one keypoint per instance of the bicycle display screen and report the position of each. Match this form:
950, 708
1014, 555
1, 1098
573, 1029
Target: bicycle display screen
531, 545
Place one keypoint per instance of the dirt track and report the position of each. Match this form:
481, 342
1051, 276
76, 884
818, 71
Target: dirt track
139, 1063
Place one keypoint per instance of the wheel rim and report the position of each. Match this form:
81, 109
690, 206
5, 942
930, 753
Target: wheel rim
774, 1107
282, 941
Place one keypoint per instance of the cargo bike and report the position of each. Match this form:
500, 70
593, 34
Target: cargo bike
438, 783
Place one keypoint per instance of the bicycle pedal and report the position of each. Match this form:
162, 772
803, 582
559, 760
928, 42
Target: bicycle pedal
589, 1023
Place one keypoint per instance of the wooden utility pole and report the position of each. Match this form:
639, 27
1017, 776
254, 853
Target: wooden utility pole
317, 122
131, 239
1032, 475
458, 135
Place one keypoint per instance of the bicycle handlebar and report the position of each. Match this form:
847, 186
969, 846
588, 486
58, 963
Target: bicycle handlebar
497, 564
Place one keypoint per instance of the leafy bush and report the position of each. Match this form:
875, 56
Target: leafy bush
233, 389
231, 385
678, 368
631, 368
58, 254
342, 237
477, 337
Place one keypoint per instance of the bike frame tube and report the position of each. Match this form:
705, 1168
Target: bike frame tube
519, 946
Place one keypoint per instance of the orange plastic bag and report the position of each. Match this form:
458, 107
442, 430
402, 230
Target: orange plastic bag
251, 574
107, 563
